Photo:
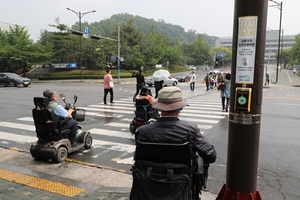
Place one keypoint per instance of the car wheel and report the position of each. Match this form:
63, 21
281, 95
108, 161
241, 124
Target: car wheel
62, 154
12, 84
88, 141
150, 85
25, 85
175, 83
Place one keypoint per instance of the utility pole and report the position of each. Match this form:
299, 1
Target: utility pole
279, 6
80, 15
248, 49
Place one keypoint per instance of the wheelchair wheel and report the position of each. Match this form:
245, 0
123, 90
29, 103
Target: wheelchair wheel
132, 128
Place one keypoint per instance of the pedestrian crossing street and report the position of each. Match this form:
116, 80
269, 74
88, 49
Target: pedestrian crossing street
113, 134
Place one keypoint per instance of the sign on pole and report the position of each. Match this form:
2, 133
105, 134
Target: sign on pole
86, 32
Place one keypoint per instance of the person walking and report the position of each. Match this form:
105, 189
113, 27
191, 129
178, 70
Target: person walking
206, 80
267, 82
140, 82
224, 87
108, 87
192, 81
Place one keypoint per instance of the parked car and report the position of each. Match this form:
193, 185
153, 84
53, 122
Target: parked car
13, 80
149, 81
183, 77
161, 75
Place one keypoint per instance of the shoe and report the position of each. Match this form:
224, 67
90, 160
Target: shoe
105, 104
226, 110
112, 103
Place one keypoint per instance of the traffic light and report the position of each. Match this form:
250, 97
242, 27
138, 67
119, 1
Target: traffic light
217, 62
76, 32
95, 37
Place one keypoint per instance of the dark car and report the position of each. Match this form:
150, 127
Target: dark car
183, 77
13, 80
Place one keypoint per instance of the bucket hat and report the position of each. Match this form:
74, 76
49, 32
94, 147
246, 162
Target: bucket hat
169, 99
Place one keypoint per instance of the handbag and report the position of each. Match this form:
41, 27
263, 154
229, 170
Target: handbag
111, 84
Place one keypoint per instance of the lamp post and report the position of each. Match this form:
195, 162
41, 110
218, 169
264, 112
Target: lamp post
80, 15
279, 6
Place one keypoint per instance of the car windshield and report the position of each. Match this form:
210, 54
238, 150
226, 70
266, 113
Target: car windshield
13, 75
182, 74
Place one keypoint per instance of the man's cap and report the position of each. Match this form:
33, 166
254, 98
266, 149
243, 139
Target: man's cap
49, 94
169, 99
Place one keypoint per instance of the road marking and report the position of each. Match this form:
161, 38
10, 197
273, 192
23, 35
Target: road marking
18, 126
111, 133
288, 76
287, 104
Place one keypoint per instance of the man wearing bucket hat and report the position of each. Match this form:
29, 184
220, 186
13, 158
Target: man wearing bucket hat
169, 129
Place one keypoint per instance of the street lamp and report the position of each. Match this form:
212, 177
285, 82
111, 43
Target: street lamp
279, 6
80, 15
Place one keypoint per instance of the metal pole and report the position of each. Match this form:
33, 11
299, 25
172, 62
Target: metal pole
279, 38
248, 50
80, 15
119, 54
80, 46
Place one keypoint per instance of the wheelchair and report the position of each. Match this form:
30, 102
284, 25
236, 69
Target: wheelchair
167, 171
144, 114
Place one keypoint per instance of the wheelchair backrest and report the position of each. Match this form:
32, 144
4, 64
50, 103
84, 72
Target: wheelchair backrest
42, 117
142, 109
164, 152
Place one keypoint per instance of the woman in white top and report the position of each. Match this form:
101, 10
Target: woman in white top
192, 81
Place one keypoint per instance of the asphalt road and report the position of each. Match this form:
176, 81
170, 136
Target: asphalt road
279, 163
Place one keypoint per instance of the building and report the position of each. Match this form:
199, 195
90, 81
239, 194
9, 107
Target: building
271, 46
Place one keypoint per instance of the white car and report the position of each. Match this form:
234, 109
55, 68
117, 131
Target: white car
161, 75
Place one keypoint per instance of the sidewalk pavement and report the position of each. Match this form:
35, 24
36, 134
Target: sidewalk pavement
22, 177
285, 77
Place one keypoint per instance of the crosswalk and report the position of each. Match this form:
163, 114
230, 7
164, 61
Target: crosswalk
111, 136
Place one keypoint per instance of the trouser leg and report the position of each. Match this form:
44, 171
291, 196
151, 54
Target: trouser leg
105, 95
111, 95
223, 103
71, 124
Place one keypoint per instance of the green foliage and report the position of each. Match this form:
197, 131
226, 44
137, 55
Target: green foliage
295, 52
18, 52
61, 74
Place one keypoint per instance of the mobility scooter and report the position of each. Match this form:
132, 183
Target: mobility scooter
53, 143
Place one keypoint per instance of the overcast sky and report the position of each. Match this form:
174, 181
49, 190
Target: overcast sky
213, 17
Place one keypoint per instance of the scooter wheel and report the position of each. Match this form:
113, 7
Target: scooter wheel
132, 128
62, 154
88, 141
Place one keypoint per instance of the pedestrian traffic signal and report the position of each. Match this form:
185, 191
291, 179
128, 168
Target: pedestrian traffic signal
76, 32
217, 62
95, 37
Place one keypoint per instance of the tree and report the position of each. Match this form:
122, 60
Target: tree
295, 52
18, 52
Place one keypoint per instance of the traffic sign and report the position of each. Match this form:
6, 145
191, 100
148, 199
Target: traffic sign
221, 54
86, 32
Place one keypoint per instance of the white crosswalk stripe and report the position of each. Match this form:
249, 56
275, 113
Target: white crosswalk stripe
114, 135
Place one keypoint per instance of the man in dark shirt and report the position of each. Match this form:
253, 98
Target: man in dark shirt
169, 129
140, 82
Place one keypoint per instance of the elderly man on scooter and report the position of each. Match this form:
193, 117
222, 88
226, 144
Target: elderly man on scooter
60, 113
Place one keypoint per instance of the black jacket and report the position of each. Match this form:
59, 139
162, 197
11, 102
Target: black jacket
173, 130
